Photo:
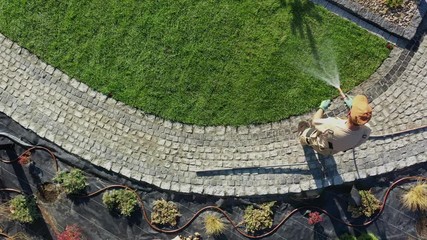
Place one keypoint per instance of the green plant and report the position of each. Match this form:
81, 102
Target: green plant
165, 213
23, 209
370, 204
367, 236
196, 236
347, 236
73, 181
214, 225
256, 219
394, 3
416, 197
125, 200
363, 236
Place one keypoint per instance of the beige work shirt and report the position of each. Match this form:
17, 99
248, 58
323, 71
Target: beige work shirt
341, 137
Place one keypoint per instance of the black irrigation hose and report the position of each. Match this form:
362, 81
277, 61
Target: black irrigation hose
15, 139
291, 165
398, 132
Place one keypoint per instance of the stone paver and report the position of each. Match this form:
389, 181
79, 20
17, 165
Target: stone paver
166, 154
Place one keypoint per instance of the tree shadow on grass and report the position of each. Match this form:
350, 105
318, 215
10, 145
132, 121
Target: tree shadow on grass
303, 12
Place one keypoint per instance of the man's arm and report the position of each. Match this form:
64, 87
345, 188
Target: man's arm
319, 114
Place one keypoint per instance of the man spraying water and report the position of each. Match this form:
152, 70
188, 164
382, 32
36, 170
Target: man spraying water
328, 136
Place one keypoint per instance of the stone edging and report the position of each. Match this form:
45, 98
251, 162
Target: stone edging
361, 12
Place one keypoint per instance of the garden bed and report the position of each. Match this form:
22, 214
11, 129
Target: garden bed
96, 221
402, 19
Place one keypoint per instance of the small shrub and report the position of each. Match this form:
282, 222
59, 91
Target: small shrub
314, 218
23, 209
71, 232
196, 236
25, 158
214, 225
367, 236
73, 181
125, 200
165, 213
258, 219
370, 204
416, 197
347, 236
394, 3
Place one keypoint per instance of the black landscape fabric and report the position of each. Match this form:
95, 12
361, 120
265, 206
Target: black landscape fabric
97, 222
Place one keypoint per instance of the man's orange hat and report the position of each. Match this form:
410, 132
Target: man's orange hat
360, 112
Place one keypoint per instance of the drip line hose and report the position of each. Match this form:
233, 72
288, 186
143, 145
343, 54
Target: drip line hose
2, 234
5, 235
235, 226
30, 148
55, 161
216, 208
11, 190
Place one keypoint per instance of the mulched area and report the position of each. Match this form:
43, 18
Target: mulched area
401, 15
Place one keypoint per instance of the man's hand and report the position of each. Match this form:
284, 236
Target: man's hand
348, 101
325, 104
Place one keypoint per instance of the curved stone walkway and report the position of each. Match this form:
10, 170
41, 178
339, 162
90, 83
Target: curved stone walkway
168, 155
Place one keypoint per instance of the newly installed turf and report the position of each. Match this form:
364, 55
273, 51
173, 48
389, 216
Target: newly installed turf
207, 62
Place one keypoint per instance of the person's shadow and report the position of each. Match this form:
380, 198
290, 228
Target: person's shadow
323, 168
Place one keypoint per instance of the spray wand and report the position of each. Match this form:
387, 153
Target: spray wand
342, 93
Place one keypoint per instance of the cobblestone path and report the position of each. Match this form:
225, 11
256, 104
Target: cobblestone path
169, 155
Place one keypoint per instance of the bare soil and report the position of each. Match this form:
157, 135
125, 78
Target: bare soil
422, 227
48, 192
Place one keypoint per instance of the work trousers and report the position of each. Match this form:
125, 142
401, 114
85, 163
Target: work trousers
317, 140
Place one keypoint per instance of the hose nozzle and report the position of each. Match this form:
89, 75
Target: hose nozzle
341, 93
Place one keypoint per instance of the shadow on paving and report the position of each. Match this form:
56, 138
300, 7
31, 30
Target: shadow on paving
279, 169
323, 168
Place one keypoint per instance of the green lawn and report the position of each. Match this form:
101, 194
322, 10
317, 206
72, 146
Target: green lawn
207, 62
